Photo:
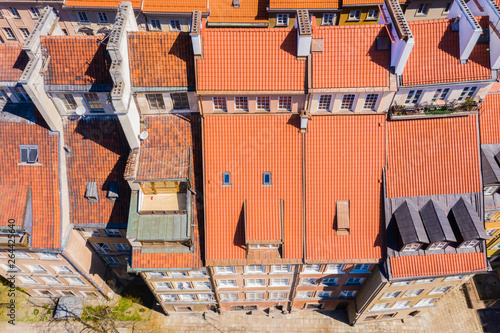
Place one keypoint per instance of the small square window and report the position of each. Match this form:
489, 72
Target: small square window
263, 103
175, 25
102, 17
282, 20
354, 15
328, 19
220, 103
324, 102
29, 154
370, 102
34, 12
266, 179
180, 100
8, 33
347, 102
155, 24
14, 12
226, 179
285, 103
423, 9
82, 16
241, 103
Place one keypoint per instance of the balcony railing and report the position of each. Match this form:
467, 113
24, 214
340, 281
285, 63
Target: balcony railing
455, 108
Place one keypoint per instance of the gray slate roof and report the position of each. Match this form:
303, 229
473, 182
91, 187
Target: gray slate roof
436, 223
410, 224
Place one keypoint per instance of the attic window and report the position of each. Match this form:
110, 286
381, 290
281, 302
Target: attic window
412, 247
489, 190
226, 179
113, 191
29, 154
91, 192
343, 217
282, 19
266, 179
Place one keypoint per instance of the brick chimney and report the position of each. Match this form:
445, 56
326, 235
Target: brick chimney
304, 33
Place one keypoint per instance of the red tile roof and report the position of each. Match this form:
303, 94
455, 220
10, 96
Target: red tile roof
435, 57
13, 204
99, 152
161, 59
163, 163
263, 221
247, 146
365, 2
489, 118
76, 60
349, 58
304, 4
13, 60
250, 59
437, 264
250, 11
345, 156
168, 6
100, 3
42, 178
433, 156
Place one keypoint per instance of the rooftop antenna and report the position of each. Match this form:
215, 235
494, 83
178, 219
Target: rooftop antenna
144, 135
80, 111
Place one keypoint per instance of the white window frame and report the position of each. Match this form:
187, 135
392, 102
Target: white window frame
219, 103
425, 302
328, 19
401, 305
163, 285
412, 293
22, 255
75, 281
390, 295
423, 281
104, 248
347, 103
304, 294
315, 268
48, 256
379, 307
285, 103
9, 33
413, 97
228, 297
251, 283
226, 179
467, 92
371, 101
36, 268
254, 297
399, 284
282, 20
25, 32
423, 9
103, 18
490, 190
354, 15
241, 103
372, 15
198, 273
469, 244
226, 283
308, 281
63, 270
14, 12
439, 290
254, 269
224, 270
168, 298
347, 293
325, 103
278, 269
278, 295
82, 17
335, 269
412, 247
50, 280
263, 103
280, 282
155, 25
10, 268
178, 274
437, 246
456, 277
26, 279
205, 285
361, 269
440, 94
175, 25
330, 281
187, 297
205, 297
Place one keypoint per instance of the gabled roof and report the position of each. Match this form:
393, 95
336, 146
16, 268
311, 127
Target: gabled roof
410, 225
247, 146
437, 264
43, 178
250, 59
161, 163
433, 156
169, 6
350, 58
13, 60
98, 152
489, 118
77, 60
100, 3
250, 11
161, 59
345, 156
435, 58
436, 223
304, 4
468, 221
13, 204
490, 158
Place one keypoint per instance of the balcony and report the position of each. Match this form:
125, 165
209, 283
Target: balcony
439, 109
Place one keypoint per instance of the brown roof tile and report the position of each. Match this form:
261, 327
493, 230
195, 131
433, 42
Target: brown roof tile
100, 3
250, 11
13, 204
164, 163
304, 4
13, 60
168, 6
489, 118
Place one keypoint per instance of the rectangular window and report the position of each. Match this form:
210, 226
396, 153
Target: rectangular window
372, 14
122, 246
469, 244
198, 273
253, 269
280, 282
329, 281
285, 103
278, 295
347, 102
3, 95
113, 232
254, 296
425, 302
308, 282
324, 102
186, 297
21, 94
29, 154
423, 9
102, 247
82, 16
361, 268
421, 281
168, 298
489, 190
266, 179
304, 294
163, 285
390, 294
439, 290
62, 269
102, 17
36, 268
21, 255
413, 293
44, 292
440, 94
228, 297
324, 294
379, 306
220, 103
263, 103
311, 268
447, 8
182, 285
157, 274
370, 102
226, 179
437, 246
112, 260
399, 284
93, 102
241, 103
154, 24
281, 269
180, 100
227, 283
354, 281
14, 12
413, 97
205, 297
334, 269
467, 92
328, 19
412, 247
68, 101
254, 282
224, 270
354, 15
347, 293
48, 256
75, 281
51, 280
175, 25
27, 279
455, 278
202, 285
263, 246
155, 101
282, 20
25, 32
401, 305
178, 274
8, 33
10, 268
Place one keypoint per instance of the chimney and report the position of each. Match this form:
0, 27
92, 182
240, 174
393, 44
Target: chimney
196, 34
399, 33
468, 28
304, 33
236, 3
46, 25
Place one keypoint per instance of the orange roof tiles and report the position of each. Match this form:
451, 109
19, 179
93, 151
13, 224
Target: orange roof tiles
304, 4
99, 152
100, 3
43, 178
435, 57
433, 156
349, 58
13, 60
250, 59
489, 118
250, 11
345, 156
263, 221
437, 264
169, 6
247, 146
13, 204
364, 2
164, 163
77, 60
161, 59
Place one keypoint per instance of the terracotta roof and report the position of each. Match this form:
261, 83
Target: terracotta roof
77, 60
98, 153
349, 58
437, 264
433, 156
435, 57
345, 156
43, 178
161, 59
164, 163
489, 118
168, 6
13, 204
365, 2
263, 221
247, 146
304, 4
252, 59
13, 60
175, 131
250, 11
100, 3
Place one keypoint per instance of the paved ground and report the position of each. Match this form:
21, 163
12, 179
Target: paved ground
452, 315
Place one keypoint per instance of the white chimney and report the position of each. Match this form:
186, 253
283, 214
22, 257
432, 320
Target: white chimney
46, 25
469, 29
304, 33
196, 33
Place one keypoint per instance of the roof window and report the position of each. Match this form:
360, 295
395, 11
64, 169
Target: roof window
29, 154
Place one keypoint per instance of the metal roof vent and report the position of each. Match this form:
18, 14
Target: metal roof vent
236, 3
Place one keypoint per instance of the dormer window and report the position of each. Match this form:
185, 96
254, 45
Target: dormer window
282, 20
113, 191
266, 179
469, 244
437, 246
226, 179
91, 192
29, 154
262, 246
412, 247
328, 19
490, 190
423, 9
354, 15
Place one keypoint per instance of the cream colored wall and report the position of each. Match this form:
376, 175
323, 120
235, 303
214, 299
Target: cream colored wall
436, 10
298, 103
382, 105
454, 94
143, 104
80, 101
164, 20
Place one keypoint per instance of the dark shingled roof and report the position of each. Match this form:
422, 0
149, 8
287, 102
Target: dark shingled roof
410, 224
436, 223
468, 222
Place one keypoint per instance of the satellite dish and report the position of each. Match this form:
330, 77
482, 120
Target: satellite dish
144, 135
80, 110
